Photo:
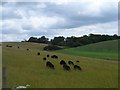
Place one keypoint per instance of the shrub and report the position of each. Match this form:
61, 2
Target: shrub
51, 48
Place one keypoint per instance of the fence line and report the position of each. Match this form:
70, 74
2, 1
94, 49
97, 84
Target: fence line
3, 77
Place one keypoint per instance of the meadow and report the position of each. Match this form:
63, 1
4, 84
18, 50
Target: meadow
103, 50
26, 67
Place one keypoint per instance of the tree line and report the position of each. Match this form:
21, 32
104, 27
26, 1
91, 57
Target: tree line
74, 41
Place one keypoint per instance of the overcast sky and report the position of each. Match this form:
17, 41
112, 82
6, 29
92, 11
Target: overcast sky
21, 20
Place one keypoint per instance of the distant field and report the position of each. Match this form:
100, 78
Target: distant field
26, 45
102, 50
25, 67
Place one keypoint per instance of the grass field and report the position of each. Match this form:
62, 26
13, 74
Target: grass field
25, 67
103, 50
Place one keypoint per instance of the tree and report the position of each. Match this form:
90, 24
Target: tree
32, 39
58, 41
43, 39
72, 41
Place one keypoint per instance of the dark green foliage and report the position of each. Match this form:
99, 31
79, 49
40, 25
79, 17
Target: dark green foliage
58, 41
74, 41
43, 39
51, 48
32, 39
84, 40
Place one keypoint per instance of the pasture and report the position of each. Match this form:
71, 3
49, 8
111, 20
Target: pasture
26, 67
107, 50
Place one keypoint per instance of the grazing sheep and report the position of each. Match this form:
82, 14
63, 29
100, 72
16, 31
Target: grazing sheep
44, 58
66, 67
76, 67
77, 61
48, 55
50, 65
54, 56
27, 49
8, 46
70, 63
62, 62
38, 53
18, 47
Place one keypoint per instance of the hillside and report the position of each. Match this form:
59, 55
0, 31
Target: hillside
26, 67
25, 45
103, 50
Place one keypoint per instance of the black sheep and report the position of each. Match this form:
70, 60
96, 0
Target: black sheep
8, 46
27, 49
62, 62
50, 65
76, 67
66, 67
48, 55
70, 63
54, 56
38, 53
44, 58
77, 61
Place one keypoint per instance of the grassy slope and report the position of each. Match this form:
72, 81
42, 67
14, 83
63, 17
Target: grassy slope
104, 50
25, 67
26, 45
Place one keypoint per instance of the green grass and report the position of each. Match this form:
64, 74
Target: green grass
25, 67
103, 50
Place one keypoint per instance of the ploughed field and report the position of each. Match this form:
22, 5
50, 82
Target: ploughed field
26, 67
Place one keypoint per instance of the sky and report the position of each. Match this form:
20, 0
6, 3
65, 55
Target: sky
20, 20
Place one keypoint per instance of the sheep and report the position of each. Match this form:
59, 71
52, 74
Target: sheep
77, 61
50, 65
54, 56
8, 46
48, 55
76, 67
44, 58
70, 63
38, 53
62, 62
27, 49
18, 47
66, 67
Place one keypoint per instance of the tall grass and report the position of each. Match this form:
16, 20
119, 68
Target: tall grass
25, 67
